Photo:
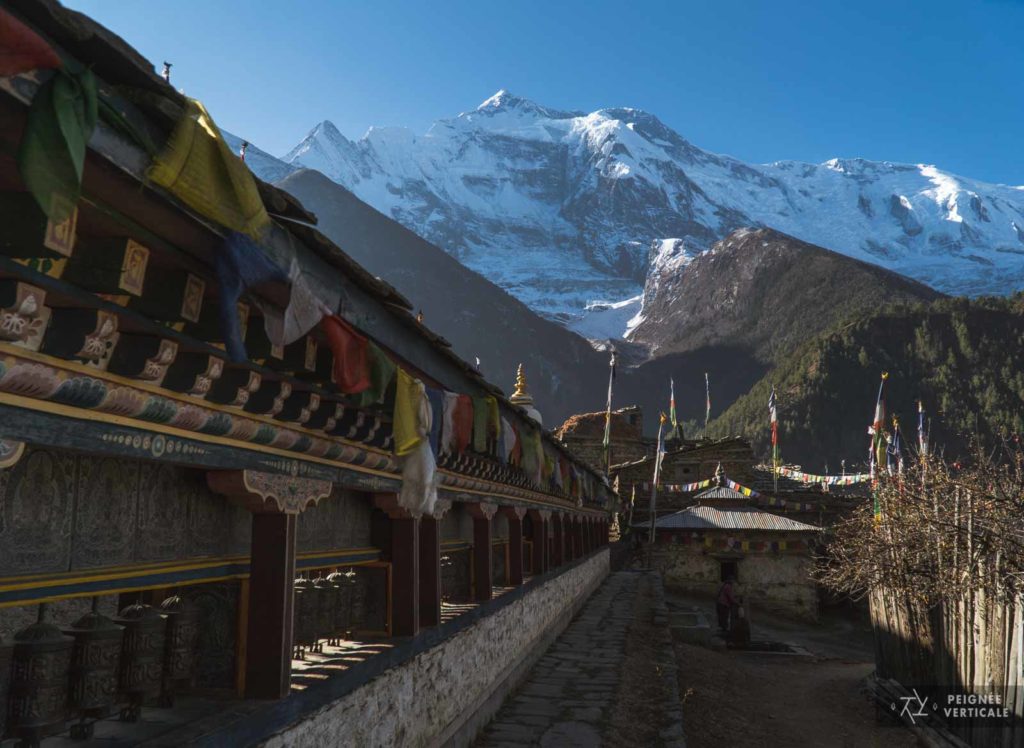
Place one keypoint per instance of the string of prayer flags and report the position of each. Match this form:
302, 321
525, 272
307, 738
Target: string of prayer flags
51, 155
22, 49
827, 480
741, 489
351, 354
199, 168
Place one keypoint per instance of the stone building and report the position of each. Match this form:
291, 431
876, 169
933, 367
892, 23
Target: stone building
721, 536
583, 434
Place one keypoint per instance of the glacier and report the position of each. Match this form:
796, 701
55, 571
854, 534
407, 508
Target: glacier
574, 213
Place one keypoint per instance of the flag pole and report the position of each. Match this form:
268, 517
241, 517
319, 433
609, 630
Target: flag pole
608, 417
707, 407
774, 414
657, 477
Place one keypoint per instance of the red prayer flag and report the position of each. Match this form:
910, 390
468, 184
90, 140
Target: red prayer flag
462, 422
22, 49
351, 360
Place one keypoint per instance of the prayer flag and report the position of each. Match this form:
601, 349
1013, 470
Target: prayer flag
608, 410
351, 354
51, 155
672, 403
240, 265
382, 371
707, 408
200, 169
22, 49
408, 395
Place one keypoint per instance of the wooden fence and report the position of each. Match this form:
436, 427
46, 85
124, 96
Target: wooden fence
970, 645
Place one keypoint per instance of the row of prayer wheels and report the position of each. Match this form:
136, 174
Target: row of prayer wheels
83, 672
323, 611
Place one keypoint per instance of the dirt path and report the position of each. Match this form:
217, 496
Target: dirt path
748, 700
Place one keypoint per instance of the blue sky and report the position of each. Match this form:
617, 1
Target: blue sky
918, 81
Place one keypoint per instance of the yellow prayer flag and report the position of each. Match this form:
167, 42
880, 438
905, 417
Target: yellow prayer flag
199, 168
782, 545
408, 393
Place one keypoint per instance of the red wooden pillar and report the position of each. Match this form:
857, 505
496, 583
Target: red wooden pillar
482, 513
275, 502
539, 528
268, 660
515, 515
430, 565
581, 547
400, 541
558, 540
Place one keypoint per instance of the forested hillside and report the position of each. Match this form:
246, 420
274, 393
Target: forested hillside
963, 358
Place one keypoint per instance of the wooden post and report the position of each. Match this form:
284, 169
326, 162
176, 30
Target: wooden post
537, 531
482, 513
400, 540
430, 565
268, 661
275, 502
515, 515
558, 544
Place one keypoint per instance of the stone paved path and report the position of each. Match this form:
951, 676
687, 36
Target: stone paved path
614, 658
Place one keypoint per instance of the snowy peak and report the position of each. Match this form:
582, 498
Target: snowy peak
572, 212
504, 101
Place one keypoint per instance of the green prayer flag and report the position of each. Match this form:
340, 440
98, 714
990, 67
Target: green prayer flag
51, 156
382, 371
481, 424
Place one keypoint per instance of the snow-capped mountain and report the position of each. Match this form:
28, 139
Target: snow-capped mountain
563, 208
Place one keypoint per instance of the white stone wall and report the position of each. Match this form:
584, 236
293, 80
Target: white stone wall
424, 701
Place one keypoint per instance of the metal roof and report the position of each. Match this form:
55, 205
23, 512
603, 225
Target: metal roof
733, 518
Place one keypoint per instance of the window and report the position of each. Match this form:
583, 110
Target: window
730, 570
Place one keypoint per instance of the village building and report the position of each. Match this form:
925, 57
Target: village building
721, 536
234, 466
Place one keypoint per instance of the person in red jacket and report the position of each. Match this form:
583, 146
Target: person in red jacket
725, 602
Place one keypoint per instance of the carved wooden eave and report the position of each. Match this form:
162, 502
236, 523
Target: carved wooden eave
268, 493
76, 390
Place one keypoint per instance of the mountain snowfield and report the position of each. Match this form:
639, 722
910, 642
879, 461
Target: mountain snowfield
576, 213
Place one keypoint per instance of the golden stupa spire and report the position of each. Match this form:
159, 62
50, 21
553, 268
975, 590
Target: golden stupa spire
521, 393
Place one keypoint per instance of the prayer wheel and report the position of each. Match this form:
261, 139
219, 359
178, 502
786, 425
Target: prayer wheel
344, 586
326, 603
142, 656
6, 651
95, 662
180, 645
39, 681
305, 616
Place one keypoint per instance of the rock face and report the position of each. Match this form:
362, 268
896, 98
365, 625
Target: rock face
560, 208
761, 290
